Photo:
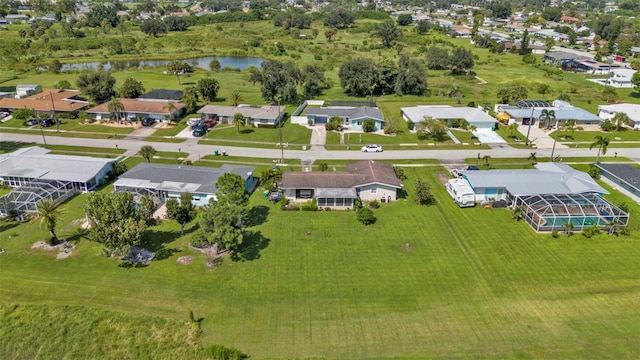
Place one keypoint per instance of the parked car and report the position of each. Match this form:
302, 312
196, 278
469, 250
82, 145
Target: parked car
371, 148
132, 117
47, 122
32, 122
148, 121
472, 167
200, 130
209, 123
3, 114
193, 122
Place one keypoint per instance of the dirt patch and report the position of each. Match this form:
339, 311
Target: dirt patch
211, 252
63, 248
185, 260
442, 177
44, 246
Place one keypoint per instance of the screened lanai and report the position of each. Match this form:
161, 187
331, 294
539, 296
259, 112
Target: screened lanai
550, 212
24, 199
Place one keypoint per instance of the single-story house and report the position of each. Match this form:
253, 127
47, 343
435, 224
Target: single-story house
632, 111
461, 31
551, 195
155, 109
621, 78
46, 101
163, 94
162, 181
14, 18
24, 90
352, 117
256, 115
484, 123
562, 111
84, 173
556, 36
364, 180
623, 175
560, 57
35, 175
588, 65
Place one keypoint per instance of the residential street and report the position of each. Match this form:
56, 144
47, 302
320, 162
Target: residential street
196, 151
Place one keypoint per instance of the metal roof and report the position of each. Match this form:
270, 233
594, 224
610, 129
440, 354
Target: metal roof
562, 113
547, 178
179, 178
445, 112
632, 110
37, 163
348, 111
270, 112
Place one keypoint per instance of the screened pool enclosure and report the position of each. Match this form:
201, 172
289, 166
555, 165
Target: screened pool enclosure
551, 212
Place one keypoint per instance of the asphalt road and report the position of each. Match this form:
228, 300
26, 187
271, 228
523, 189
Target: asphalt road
132, 145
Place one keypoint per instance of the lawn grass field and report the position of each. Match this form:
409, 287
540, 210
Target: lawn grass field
423, 282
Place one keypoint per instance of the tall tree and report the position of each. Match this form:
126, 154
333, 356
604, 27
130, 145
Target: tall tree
620, 119
98, 85
387, 74
602, 142
175, 67
509, 93
279, 81
182, 211
236, 98
208, 88
339, 18
412, 79
100, 12
358, 76
388, 32
147, 152
313, 80
238, 119
116, 109
543, 89
635, 80
609, 93
437, 58
153, 27
115, 221
131, 88
190, 99
461, 60
49, 215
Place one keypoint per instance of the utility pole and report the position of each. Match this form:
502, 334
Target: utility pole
530, 120
53, 106
280, 129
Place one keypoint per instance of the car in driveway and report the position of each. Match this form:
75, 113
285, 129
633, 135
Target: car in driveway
47, 122
371, 148
200, 130
148, 121
193, 122
32, 122
3, 114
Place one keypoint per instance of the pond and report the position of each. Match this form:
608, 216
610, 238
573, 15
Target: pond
201, 62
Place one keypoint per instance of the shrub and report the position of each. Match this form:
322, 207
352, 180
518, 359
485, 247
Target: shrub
365, 216
594, 172
310, 206
219, 352
423, 193
368, 126
624, 207
323, 167
410, 125
198, 239
607, 125
400, 173
555, 234
373, 204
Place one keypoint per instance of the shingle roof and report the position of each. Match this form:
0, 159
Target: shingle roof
37, 163
625, 172
357, 174
163, 94
547, 178
142, 106
563, 113
197, 179
62, 101
350, 112
269, 112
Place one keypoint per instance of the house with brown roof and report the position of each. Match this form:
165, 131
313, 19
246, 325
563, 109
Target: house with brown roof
153, 108
364, 180
47, 101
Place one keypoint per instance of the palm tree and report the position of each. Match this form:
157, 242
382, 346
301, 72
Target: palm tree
471, 129
547, 115
239, 119
116, 108
620, 119
486, 159
518, 213
602, 142
170, 107
512, 129
147, 152
236, 98
49, 214
533, 158
568, 227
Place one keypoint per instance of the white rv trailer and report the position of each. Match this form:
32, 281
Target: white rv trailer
461, 192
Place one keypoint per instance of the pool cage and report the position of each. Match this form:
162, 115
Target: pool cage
551, 212
23, 200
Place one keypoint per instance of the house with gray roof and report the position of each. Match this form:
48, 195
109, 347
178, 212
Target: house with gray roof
162, 181
560, 57
364, 180
550, 195
631, 110
624, 176
352, 116
562, 110
255, 115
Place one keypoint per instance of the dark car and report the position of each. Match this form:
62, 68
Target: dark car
200, 130
32, 122
47, 122
472, 167
148, 121
209, 123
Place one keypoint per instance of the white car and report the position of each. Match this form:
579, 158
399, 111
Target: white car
371, 148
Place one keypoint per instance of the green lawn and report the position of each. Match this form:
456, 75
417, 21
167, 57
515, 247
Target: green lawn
589, 136
323, 285
291, 133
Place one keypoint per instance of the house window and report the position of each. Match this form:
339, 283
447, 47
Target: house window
304, 194
359, 123
339, 202
374, 190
